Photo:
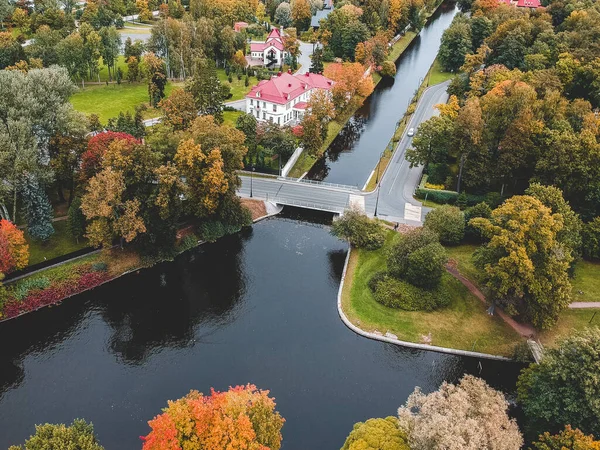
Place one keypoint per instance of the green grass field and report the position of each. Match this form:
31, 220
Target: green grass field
229, 117
437, 75
59, 244
109, 101
238, 87
401, 45
463, 325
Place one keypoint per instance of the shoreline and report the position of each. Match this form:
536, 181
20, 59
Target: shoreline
274, 211
396, 341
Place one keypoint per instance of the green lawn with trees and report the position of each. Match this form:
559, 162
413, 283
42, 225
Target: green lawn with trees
59, 244
238, 87
464, 324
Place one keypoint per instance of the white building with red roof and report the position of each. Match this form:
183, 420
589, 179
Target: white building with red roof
532, 4
284, 98
271, 52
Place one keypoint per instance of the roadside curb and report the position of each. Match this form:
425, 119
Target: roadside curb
390, 340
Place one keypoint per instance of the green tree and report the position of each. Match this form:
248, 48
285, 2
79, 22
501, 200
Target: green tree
316, 65
312, 134
76, 220
376, 434
247, 124
431, 143
524, 264
591, 239
111, 47
398, 256
79, 435
426, 265
448, 222
157, 78
359, 230
206, 89
565, 386
456, 43
283, 14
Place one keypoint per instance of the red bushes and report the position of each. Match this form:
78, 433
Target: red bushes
80, 279
91, 159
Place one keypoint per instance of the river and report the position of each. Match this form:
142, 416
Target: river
257, 307
354, 152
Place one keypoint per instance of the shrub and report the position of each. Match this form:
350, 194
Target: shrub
29, 284
398, 254
376, 434
188, 242
376, 279
437, 173
359, 230
442, 197
388, 69
100, 267
395, 293
438, 187
479, 210
426, 265
448, 222
212, 230
79, 435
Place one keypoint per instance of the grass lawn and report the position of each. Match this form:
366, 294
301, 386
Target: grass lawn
463, 325
570, 320
401, 45
462, 254
437, 75
586, 281
229, 117
302, 165
59, 244
238, 87
109, 101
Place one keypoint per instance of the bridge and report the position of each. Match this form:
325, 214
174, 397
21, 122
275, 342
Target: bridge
392, 200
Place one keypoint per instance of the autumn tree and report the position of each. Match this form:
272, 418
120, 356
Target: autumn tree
524, 264
157, 77
349, 81
243, 417
567, 439
563, 387
376, 434
14, 250
239, 60
91, 159
133, 69
312, 134
179, 109
108, 215
301, 14
79, 435
205, 179
467, 416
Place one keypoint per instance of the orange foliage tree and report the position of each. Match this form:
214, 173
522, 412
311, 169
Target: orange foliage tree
349, 81
241, 418
14, 250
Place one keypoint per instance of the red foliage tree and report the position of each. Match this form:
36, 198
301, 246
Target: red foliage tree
241, 418
91, 160
14, 250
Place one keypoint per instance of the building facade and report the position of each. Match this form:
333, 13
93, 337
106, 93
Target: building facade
270, 52
284, 98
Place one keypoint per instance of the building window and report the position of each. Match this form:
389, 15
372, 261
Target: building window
264, 104
279, 121
264, 115
251, 102
287, 106
274, 108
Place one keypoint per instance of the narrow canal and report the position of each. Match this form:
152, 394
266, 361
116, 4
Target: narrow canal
258, 307
354, 152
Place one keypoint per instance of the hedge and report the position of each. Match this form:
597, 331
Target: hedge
395, 293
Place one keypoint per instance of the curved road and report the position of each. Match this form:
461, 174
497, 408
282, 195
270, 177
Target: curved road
395, 189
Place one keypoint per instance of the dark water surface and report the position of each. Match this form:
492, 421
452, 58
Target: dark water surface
354, 152
258, 307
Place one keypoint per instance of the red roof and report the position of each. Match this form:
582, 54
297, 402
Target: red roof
529, 3
262, 46
285, 87
301, 105
274, 34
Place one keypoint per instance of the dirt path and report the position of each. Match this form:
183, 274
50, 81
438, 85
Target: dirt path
524, 330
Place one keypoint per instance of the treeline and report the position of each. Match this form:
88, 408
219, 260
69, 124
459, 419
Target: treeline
523, 107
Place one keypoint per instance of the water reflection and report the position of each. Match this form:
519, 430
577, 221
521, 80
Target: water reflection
258, 307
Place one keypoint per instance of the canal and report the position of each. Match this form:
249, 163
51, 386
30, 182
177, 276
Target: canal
354, 152
257, 307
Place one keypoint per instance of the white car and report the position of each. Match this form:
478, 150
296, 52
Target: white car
411, 132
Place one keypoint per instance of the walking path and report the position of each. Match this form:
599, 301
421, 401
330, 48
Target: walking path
524, 330
582, 305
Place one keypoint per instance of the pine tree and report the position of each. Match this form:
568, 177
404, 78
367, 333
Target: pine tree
37, 210
76, 221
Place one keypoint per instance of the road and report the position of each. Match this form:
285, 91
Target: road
399, 180
395, 188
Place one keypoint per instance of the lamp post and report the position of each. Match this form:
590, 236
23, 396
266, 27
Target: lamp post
251, 178
378, 165
377, 201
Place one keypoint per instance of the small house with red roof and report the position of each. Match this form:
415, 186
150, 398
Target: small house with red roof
532, 4
284, 98
239, 26
271, 52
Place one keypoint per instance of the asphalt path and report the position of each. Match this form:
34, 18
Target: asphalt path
395, 189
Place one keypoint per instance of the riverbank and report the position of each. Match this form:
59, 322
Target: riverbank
463, 326
305, 161
434, 76
51, 286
